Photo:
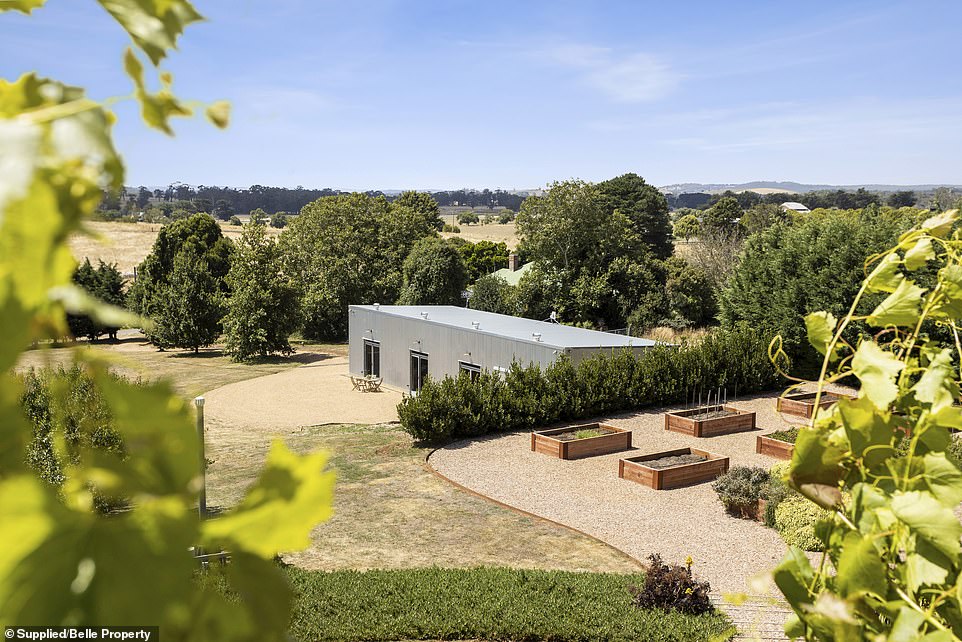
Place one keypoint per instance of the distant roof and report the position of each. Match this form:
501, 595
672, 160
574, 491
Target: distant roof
798, 207
554, 335
513, 277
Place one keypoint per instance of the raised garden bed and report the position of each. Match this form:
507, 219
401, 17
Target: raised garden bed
802, 404
673, 468
587, 440
709, 421
779, 444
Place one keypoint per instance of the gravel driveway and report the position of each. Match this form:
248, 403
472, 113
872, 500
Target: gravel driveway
587, 495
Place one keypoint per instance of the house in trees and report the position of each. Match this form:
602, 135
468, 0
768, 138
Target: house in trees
792, 206
403, 344
513, 273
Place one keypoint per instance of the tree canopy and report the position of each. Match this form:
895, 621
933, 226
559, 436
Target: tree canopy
434, 274
645, 208
348, 249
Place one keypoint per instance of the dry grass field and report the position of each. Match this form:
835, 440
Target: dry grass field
494, 232
126, 244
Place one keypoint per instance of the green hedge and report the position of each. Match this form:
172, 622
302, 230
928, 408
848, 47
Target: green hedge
486, 604
528, 397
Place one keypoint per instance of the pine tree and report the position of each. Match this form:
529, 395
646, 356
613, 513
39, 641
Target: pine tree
263, 309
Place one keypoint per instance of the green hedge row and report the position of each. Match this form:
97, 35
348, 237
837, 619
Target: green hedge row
484, 604
527, 397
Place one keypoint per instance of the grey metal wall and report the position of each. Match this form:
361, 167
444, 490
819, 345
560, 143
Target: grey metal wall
444, 345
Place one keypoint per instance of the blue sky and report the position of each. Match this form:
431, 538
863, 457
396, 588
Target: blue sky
449, 93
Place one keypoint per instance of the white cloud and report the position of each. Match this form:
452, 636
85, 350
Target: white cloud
632, 78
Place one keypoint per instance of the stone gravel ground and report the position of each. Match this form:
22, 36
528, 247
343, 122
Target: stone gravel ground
587, 494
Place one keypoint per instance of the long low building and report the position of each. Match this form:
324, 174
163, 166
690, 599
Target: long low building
405, 343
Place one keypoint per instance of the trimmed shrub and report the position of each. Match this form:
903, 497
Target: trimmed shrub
795, 520
740, 489
527, 397
672, 587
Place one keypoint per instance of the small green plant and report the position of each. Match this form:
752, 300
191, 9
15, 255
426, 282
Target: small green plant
447, 227
740, 489
234, 220
788, 435
796, 519
588, 433
672, 587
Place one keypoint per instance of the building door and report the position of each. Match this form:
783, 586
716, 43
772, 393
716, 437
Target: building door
372, 358
419, 370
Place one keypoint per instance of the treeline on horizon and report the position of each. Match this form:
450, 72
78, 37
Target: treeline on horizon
231, 200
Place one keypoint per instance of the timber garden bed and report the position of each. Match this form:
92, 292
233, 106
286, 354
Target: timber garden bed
673, 468
779, 444
802, 404
710, 421
586, 440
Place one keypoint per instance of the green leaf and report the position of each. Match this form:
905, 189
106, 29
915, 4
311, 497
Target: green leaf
860, 568
924, 566
76, 300
950, 305
219, 113
877, 370
25, 6
153, 25
869, 434
292, 495
906, 626
816, 467
821, 330
930, 520
941, 224
943, 478
793, 576
937, 384
919, 254
901, 308
886, 276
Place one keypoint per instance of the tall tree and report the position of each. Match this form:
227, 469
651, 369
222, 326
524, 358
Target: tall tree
424, 204
200, 232
646, 209
263, 310
190, 305
348, 249
723, 215
434, 274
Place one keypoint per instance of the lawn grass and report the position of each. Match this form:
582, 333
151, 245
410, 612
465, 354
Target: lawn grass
486, 604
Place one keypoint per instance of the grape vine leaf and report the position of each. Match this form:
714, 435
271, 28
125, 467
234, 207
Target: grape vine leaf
930, 520
25, 6
877, 370
291, 496
900, 308
821, 330
886, 276
153, 26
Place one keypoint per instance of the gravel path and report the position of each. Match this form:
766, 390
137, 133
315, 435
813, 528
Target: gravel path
588, 495
312, 394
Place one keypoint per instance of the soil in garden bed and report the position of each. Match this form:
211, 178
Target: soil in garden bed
573, 434
711, 414
676, 460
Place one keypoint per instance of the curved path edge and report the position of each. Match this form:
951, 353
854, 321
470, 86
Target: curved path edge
521, 511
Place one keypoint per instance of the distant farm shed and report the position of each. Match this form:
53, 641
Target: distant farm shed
405, 343
792, 206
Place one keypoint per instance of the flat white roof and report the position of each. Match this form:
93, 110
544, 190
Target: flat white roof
518, 328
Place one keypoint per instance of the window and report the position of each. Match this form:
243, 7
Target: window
471, 369
419, 370
372, 358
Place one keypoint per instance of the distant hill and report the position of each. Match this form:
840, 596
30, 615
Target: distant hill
790, 187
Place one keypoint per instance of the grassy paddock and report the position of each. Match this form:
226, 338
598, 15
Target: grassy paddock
483, 603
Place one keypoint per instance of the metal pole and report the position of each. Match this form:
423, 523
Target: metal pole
202, 494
